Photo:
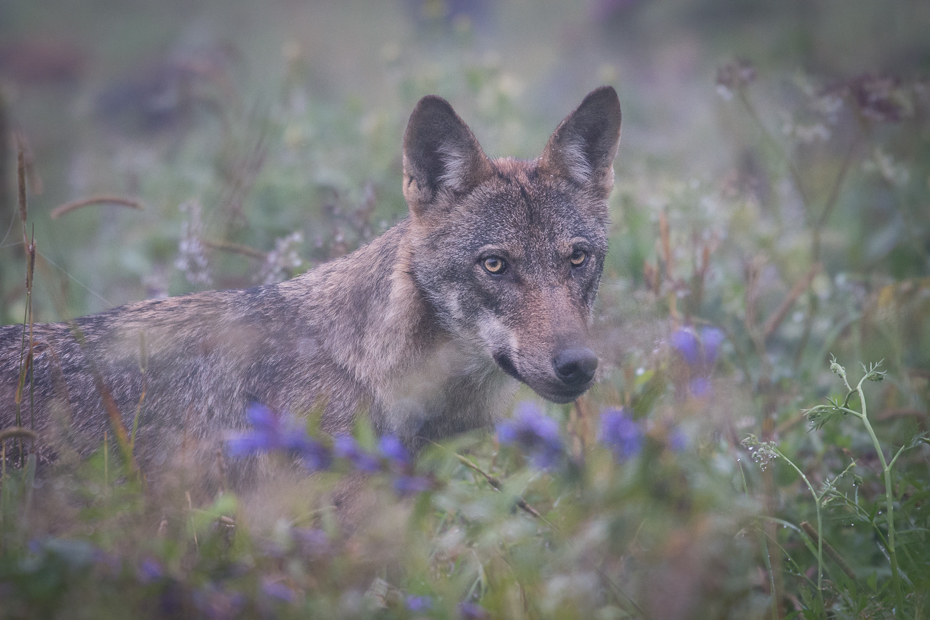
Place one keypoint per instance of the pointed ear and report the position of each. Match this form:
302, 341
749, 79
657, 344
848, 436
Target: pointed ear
440, 155
584, 145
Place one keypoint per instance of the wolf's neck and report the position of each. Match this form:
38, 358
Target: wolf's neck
367, 310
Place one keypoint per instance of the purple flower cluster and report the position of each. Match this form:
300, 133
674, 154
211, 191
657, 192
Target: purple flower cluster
535, 432
419, 603
273, 432
621, 434
400, 464
394, 451
277, 591
149, 571
311, 542
472, 611
676, 440
347, 448
699, 351
538, 435
697, 348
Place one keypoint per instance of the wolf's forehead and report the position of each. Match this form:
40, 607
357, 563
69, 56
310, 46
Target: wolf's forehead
521, 212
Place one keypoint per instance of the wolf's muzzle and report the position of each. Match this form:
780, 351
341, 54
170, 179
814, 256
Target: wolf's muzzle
575, 367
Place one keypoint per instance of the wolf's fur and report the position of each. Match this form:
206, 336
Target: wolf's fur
411, 328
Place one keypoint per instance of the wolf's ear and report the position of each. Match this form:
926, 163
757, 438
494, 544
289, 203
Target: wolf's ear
584, 145
440, 154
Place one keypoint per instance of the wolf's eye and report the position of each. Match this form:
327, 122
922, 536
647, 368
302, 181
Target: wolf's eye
578, 258
494, 265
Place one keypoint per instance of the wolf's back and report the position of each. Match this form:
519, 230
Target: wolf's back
187, 365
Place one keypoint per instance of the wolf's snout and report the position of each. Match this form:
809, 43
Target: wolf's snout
575, 367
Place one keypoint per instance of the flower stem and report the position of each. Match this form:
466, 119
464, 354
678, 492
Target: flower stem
889, 497
819, 527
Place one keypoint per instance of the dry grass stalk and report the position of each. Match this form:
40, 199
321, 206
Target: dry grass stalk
132, 203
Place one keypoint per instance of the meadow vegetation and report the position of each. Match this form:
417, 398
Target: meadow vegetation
756, 446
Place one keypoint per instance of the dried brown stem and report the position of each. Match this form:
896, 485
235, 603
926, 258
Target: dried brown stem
890, 414
132, 203
17, 431
110, 406
665, 239
578, 427
235, 248
35, 181
497, 484
21, 183
776, 318
828, 549
752, 270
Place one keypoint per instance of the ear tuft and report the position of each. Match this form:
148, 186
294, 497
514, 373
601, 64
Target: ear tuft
584, 145
440, 154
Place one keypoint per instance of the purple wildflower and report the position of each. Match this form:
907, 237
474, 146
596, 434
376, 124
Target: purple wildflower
108, 562
392, 449
149, 571
347, 448
677, 440
311, 542
410, 485
278, 591
419, 603
314, 455
264, 437
621, 434
405, 483
472, 611
701, 387
697, 352
535, 432
686, 343
711, 337
271, 432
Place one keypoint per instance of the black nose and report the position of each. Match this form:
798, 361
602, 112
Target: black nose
575, 366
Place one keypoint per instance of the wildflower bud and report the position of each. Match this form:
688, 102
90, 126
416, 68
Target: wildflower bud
621, 434
472, 611
345, 447
686, 343
393, 449
419, 603
535, 432
150, 571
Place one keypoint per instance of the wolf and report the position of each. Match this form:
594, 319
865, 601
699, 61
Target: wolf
427, 330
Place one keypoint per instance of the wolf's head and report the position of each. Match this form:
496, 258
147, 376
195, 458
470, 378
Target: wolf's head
508, 252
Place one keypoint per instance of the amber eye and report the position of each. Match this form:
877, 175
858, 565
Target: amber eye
494, 265
578, 258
